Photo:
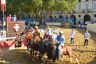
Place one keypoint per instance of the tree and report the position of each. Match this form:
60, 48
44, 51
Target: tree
40, 7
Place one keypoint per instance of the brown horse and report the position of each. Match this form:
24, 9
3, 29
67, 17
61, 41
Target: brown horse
29, 36
64, 50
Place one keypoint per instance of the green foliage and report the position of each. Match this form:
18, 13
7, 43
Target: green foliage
37, 6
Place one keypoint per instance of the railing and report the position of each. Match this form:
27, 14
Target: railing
2, 39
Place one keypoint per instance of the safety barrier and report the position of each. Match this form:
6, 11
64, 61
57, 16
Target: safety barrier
12, 38
91, 27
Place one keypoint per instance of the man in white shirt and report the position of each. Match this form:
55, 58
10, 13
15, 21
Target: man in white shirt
72, 35
14, 18
86, 36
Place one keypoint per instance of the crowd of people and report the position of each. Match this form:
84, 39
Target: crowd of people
10, 18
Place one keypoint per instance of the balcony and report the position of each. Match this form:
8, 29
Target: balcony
86, 10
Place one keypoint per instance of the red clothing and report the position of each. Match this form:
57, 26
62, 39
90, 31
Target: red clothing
46, 36
9, 18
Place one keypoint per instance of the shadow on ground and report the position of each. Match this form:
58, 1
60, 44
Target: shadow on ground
15, 57
93, 61
21, 56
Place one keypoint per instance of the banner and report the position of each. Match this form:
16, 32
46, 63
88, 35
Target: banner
3, 5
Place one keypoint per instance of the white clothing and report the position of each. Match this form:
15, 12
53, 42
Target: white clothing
87, 35
50, 32
14, 19
42, 31
72, 34
54, 36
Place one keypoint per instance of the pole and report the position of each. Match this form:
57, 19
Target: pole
3, 21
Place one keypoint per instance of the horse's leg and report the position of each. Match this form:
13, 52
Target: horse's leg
76, 59
71, 59
71, 54
61, 57
32, 52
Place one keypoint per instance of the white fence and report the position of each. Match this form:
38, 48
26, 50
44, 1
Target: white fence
49, 23
91, 27
4, 39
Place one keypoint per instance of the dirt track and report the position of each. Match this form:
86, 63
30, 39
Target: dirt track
86, 55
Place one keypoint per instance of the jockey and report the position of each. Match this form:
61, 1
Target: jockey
32, 29
60, 39
47, 34
37, 32
54, 36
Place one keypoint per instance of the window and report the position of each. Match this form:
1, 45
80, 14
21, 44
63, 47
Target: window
79, 7
86, 0
79, 0
87, 6
94, 15
79, 16
94, 6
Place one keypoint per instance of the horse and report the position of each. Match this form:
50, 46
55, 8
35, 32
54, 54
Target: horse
52, 51
36, 45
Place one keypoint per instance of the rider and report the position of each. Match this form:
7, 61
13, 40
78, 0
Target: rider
37, 32
47, 34
54, 36
60, 39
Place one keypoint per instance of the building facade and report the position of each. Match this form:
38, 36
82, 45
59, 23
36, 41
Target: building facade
85, 11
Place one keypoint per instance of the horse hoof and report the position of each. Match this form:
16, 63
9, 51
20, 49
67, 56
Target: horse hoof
60, 60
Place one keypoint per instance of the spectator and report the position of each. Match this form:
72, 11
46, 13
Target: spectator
72, 35
86, 36
14, 18
9, 18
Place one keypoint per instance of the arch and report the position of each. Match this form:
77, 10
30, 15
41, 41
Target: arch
50, 17
60, 16
73, 19
87, 18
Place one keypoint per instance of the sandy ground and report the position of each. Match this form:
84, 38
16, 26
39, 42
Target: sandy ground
85, 55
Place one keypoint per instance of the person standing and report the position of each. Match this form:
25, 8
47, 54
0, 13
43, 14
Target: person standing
86, 37
72, 35
14, 18
9, 18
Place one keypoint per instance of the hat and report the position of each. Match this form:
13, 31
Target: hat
61, 32
36, 27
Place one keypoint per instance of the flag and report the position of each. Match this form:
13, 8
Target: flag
3, 5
